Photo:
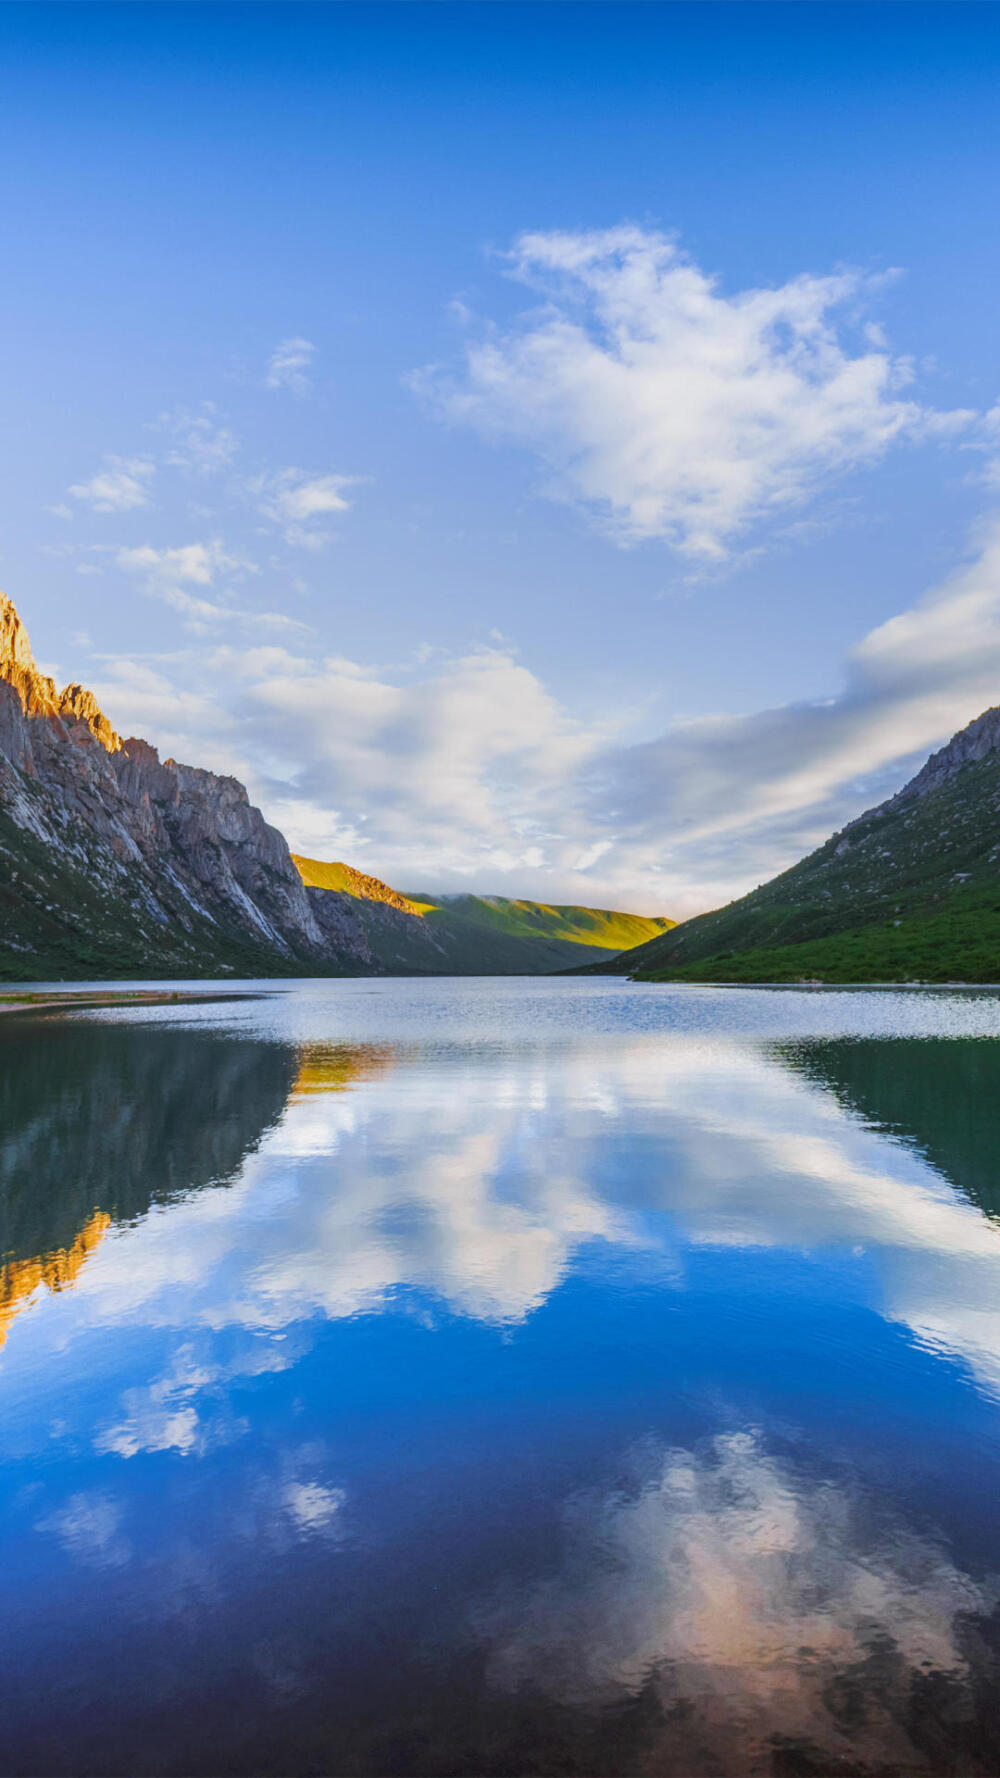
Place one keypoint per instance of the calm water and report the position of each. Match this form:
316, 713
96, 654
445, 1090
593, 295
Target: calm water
502, 1377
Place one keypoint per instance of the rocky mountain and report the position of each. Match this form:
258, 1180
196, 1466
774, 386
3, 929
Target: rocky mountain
116, 863
910, 891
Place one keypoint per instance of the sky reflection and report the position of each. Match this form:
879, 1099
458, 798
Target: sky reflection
592, 1402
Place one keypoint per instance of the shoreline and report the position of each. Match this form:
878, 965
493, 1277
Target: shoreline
91, 1000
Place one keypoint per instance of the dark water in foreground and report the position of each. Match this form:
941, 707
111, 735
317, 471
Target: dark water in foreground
502, 1377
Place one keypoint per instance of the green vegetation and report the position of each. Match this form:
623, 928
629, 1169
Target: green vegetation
598, 928
961, 944
910, 892
343, 879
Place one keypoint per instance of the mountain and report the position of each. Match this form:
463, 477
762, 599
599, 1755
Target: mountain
466, 934
113, 862
116, 863
910, 891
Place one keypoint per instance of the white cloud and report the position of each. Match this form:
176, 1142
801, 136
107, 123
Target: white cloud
167, 574
293, 499
722, 802
289, 365
201, 442
123, 485
670, 409
467, 767
469, 773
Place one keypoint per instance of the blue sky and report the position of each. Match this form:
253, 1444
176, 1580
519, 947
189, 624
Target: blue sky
502, 434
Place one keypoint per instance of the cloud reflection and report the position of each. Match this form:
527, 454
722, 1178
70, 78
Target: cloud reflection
473, 1181
757, 1605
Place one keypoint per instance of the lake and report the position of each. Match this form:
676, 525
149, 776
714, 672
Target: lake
502, 1376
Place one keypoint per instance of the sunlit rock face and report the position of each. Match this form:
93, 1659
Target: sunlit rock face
183, 868
28, 697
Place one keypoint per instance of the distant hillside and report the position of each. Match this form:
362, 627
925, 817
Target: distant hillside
909, 891
468, 934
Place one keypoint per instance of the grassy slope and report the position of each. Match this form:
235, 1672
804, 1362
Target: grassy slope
486, 935
911, 893
600, 927
317, 875
343, 879
481, 934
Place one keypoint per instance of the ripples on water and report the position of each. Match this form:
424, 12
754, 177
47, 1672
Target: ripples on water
478, 1377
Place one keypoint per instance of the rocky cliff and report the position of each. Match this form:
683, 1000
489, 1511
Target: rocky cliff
970, 744
114, 858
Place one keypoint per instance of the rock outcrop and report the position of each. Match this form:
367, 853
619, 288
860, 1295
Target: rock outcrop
971, 744
185, 869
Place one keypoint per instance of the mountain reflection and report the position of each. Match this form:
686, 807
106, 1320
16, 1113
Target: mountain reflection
20, 1278
479, 1182
100, 1123
566, 1406
941, 1096
336, 1067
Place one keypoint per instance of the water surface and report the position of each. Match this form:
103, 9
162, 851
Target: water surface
502, 1377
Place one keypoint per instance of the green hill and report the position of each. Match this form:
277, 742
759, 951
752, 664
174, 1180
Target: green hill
483, 934
908, 892
470, 934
